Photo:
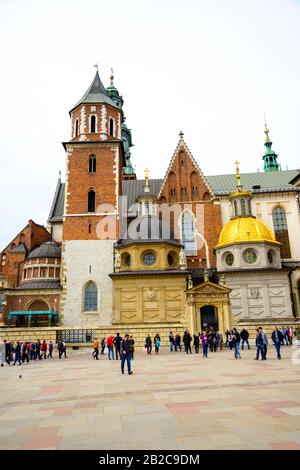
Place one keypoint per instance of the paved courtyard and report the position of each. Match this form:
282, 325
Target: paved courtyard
172, 401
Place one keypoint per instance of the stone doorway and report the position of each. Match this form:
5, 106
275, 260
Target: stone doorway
209, 317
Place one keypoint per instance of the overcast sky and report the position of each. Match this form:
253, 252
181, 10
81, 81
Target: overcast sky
210, 68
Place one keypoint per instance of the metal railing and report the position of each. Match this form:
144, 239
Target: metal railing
75, 336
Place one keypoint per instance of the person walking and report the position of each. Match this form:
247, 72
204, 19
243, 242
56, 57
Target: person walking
157, 344
196, 342
7, 351
50, 349
117, 344
131, 342
110, 347
204, 341
277, 340
148, 344
38, 349
17, 354
96, 349
125, 354
245, 338
171, 340
60, 348
44, 349
261, 344
187, 339
102, 346
236, 338
25, 352
64, 349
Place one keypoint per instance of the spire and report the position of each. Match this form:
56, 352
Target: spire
237, 176
146, 187
113, 92
240, 199
96, 93
270, 157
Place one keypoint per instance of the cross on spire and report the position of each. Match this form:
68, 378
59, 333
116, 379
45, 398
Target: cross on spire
237, 174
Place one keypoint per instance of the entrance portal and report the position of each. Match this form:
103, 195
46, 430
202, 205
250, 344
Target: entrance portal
209, 317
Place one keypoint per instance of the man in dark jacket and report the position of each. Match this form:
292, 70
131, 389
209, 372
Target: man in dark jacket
17, 354
245, 338
261, 344
236, 338
277, 338
126, 354
187, 342
117, 343
7, 351
196, 342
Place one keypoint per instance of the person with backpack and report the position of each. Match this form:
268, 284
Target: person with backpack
178, 342
277, 340
245, 338
117, 344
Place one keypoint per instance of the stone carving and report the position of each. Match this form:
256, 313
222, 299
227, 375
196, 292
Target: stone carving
151, 294
182, 260
254, 292
190, 282
117, 261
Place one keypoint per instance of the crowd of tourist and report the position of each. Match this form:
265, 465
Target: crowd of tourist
123, 349
26, 351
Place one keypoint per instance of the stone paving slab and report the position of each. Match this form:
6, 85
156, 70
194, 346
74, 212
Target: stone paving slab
172, 401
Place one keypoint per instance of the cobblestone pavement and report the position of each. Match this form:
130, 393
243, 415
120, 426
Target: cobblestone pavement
172, 401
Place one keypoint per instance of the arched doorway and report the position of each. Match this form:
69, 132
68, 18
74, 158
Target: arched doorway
209, 317
38, 306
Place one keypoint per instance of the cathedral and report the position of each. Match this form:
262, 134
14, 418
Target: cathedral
187, 251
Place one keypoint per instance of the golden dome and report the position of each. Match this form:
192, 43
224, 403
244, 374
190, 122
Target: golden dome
245, 230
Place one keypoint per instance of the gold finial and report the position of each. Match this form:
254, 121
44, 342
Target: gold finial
111, 76
267, 130
147, 171
181, 134
237, 174
96, 66
206, 277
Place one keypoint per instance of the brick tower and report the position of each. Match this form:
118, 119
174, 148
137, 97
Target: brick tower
95, 160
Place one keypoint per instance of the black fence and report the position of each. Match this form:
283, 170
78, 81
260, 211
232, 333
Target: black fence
75, 336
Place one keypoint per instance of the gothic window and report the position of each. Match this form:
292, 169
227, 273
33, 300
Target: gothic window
91, 201
90, 297
188, 233
76, 128
93, 124
281, 231
92, 164
111, 126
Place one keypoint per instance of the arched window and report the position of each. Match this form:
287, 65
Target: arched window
91, 201
111, 126
93, 123
281, 231
92, 164
76, 128
90, 297
188, 233
235, 208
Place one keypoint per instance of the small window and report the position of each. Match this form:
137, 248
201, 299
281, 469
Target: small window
170, 259
76, 128
229, 259
243, 207
111, 126
92, 164
43, 272
250, 256
128, 261
91, 201
93, 124
149, 258
270, 256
